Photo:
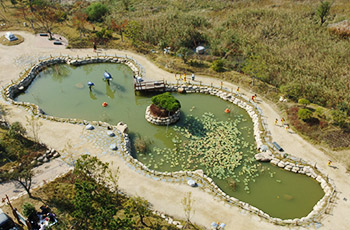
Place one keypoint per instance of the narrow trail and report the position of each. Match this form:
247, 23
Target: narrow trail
166, 197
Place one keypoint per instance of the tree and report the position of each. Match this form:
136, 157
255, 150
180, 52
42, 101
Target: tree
120, 27
140, 206
292, 90
18, 154
184, 53
16, 130
96, 11
34, 125
133, 31
104, 35
46, 14
217, 65
80, 22
323, 11
304, 114
304, 102
22, 173
256, 66
187, 204
96, 203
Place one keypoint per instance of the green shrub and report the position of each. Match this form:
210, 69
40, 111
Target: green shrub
319, 112
16, 129
323, 11
96, 11
166, 101
304, 102
184, 53
304, 114
28, 209
339, 117
218, 65
292, 90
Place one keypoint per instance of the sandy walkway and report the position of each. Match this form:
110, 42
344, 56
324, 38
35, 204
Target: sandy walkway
166, 196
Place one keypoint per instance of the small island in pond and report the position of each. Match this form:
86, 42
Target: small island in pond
164, 110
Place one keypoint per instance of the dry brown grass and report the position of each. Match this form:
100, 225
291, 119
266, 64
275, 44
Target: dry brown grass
341, 29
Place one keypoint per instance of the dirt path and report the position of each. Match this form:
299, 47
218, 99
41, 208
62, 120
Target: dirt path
164, 196
43, 174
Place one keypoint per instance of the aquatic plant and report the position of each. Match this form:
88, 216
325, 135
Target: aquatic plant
216, 147
141, 144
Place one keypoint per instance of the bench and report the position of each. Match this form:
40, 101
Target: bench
57, 43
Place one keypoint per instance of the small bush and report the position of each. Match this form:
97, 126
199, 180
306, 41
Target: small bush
292, 90
339, 117
218, 65
319, 112
16, 130
28, 209
304, 102
304, 114
96, 11
166, 101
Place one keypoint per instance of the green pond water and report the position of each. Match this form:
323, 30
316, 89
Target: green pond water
225, 141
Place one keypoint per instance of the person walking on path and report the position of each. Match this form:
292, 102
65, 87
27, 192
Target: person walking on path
95, 47
193, 77
282, 121
276, 121
287, 128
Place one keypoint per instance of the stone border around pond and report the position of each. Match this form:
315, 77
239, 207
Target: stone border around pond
261, 134
161, 120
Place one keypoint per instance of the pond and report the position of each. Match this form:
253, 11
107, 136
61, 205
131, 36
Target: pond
206, 137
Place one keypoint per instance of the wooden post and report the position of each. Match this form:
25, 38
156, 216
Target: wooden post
13, 209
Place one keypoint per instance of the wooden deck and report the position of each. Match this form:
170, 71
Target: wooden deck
149, 86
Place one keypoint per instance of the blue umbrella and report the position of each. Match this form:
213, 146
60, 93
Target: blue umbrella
90, 84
